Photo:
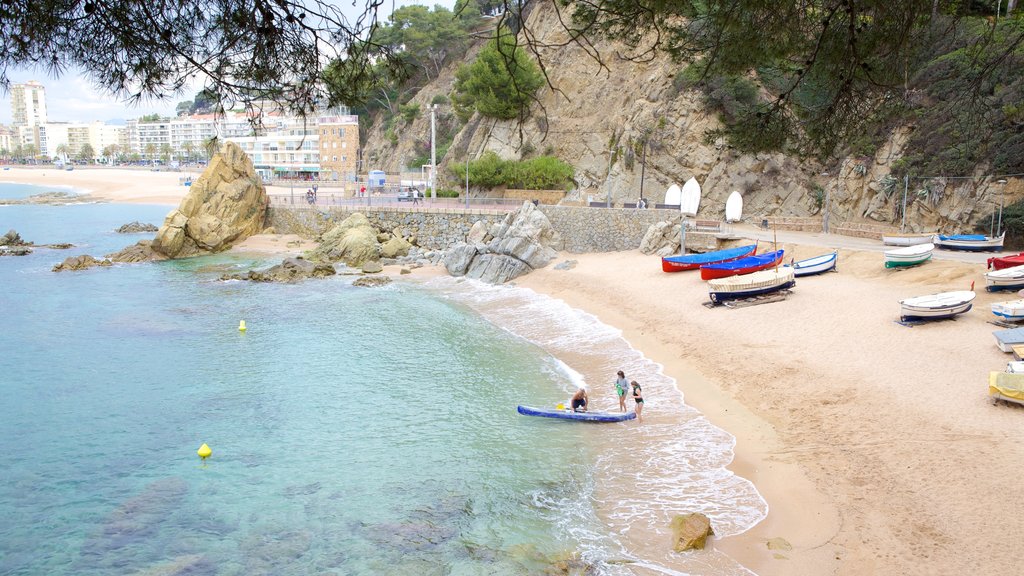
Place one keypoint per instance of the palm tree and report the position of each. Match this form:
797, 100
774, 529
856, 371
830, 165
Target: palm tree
30, 151
211, 145
150, 151
62, 151
188, 147
166, 151
87, 153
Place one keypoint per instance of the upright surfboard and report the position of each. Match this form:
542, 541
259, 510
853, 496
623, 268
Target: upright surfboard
672, 195
734, 207
690, 199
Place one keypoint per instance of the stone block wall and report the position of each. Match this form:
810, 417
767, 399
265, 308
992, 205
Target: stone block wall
585, 229
432, 229
544, 196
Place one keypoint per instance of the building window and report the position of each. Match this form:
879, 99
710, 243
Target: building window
335, 158
334, 144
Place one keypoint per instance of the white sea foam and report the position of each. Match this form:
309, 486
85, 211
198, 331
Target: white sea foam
659, 469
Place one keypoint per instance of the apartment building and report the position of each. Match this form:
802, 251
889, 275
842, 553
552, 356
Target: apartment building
28, 110
71, 138
339, 147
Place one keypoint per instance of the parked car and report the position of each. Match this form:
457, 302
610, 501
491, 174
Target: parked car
408, 193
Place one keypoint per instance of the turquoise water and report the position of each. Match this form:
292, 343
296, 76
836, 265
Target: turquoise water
354, 431
10, 190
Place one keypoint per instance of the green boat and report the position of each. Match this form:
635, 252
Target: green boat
908, 255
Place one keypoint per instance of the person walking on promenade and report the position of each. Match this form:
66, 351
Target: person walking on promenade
415, 196
621, 389
638, 397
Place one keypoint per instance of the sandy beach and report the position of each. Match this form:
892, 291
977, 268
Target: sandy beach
874, 443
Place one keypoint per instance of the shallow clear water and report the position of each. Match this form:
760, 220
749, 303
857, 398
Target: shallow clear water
354, 431
10, 190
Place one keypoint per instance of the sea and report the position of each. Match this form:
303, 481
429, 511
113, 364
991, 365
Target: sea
355, 431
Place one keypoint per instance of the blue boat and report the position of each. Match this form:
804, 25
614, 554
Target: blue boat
566, 414
694, 261
745, 265
970, 242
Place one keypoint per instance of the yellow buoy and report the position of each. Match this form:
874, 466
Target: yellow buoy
560, 406
204, 451
241, 326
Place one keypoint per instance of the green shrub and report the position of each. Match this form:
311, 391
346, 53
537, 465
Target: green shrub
541, 173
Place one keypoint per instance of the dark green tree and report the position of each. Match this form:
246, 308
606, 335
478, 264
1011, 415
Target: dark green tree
500, 83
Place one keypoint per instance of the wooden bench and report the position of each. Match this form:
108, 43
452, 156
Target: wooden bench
599, 204
707, 225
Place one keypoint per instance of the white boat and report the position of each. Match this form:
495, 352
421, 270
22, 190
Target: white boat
1010, 310
908, 255
936, 306
753, 284
1005, 279
672, 195
690, 198
970, 242
1015, 367
734, 207
907, 239
816, 265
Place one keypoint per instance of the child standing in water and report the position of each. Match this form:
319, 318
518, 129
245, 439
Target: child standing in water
622, 388
638, 397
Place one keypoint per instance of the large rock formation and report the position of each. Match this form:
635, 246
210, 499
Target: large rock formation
83, 262
136, 227
520, 244
226, 205
288, 271
354, 240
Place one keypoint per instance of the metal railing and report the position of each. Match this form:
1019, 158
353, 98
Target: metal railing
325, 198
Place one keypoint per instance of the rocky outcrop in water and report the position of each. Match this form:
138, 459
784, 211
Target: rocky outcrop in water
226, 205
12, 244
288, 271
353, 241
372, 281
83, 262
141, 251
690, 531
136, 227
51, 198
520, 244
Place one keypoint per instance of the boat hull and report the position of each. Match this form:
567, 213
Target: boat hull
1012, 310
907, 239
817, 265
1005, 279
748, 285
988, 244
1001, 262
936, 306
577, 416
907, 263
908, 256
694, 261
747, 265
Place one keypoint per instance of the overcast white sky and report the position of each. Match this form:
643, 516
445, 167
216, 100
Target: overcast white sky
73, 98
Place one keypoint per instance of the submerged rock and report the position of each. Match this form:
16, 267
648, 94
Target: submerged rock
690, 531
83, 262
226, 205
289, 270
372, 281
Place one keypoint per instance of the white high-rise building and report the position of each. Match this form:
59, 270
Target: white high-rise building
28, 104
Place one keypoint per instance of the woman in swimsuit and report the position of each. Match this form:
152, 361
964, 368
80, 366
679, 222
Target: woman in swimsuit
621, 388
638, 397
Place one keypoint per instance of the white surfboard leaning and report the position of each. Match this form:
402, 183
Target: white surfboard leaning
690, 200
672, 195
734, 207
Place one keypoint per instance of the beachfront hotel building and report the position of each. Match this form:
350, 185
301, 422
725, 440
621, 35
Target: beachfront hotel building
72, 137
28, 112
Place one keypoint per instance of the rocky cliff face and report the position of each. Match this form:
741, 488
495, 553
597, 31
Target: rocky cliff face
226, 205
595, 107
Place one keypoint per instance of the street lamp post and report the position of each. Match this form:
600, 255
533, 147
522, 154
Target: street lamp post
433, 153
467, 181
1002, 196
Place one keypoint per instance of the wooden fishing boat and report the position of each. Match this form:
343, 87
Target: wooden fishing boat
936, 306
816, 265
754, 284
908, 255
1005, 279
1012, 310
1000, 262
907, 239
689, 197
745, 265
733, 207
695, 261
970, 242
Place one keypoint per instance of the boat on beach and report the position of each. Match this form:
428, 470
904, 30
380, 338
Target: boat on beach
907, 239
1000, 262
748, 285
694, 261
970, 242
1005, 279
936, 306
745, 265
567, 414
1012, 310
908, 255
816, 265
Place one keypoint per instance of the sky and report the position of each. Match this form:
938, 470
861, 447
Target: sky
74, 98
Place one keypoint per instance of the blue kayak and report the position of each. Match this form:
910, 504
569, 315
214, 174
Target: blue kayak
566, 414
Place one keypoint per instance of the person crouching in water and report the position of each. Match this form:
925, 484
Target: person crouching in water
579, 401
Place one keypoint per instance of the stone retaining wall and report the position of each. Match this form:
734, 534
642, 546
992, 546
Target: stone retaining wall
432, 229
603, 229
544, 196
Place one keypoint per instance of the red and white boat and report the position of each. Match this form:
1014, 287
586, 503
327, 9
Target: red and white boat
1000, 262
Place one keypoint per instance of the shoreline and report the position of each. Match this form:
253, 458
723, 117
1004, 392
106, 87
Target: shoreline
874, 444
